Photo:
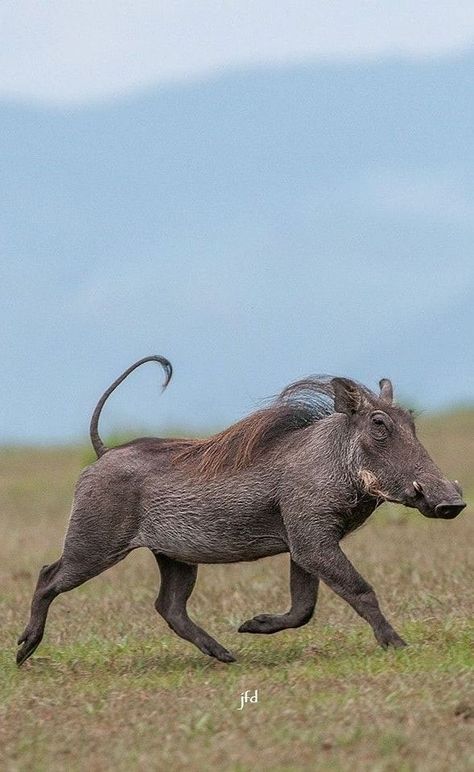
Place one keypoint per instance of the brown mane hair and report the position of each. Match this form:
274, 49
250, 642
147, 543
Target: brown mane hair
299, 405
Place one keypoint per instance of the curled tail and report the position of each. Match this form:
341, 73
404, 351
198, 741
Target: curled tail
97, 443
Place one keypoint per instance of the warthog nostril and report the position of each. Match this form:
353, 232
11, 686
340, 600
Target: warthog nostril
448, 511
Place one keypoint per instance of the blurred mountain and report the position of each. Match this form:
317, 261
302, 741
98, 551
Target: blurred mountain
253, 228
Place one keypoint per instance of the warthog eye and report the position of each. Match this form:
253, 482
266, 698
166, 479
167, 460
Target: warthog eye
380, 424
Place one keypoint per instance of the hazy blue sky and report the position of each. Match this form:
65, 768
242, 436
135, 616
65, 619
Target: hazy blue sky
79, 50
256, 191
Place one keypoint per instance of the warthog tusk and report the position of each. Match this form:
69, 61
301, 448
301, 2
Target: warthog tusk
417, 486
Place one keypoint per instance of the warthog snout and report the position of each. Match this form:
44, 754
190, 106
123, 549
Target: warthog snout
448, 508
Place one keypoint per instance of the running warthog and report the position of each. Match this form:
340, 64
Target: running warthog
295, 477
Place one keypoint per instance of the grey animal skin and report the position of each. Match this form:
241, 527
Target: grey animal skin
295, 477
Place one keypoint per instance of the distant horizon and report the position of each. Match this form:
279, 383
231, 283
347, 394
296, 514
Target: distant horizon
113, 438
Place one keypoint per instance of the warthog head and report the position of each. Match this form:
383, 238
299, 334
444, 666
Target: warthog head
392, 462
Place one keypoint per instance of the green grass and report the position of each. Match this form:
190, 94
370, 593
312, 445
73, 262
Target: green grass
132, 701
112, 688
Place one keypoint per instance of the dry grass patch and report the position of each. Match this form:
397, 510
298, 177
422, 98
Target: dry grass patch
112, 688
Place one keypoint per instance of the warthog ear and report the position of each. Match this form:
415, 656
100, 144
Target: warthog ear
347, 396
386, 390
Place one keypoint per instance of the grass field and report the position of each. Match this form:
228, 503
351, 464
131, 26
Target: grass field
112, 688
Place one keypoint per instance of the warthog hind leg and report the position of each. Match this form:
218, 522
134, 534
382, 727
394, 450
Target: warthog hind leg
65, 574
177, 583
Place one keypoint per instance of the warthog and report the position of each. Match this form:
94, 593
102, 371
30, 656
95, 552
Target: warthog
296, 476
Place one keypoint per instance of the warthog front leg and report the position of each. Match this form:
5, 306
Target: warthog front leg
177, 583
304, 591
330, 563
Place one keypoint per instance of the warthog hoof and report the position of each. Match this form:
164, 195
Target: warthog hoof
31, 641
262, 624
391, 639
217, 651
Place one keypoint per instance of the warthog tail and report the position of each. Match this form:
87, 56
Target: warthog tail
97, 443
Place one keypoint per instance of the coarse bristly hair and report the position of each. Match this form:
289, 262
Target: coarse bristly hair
299, 405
